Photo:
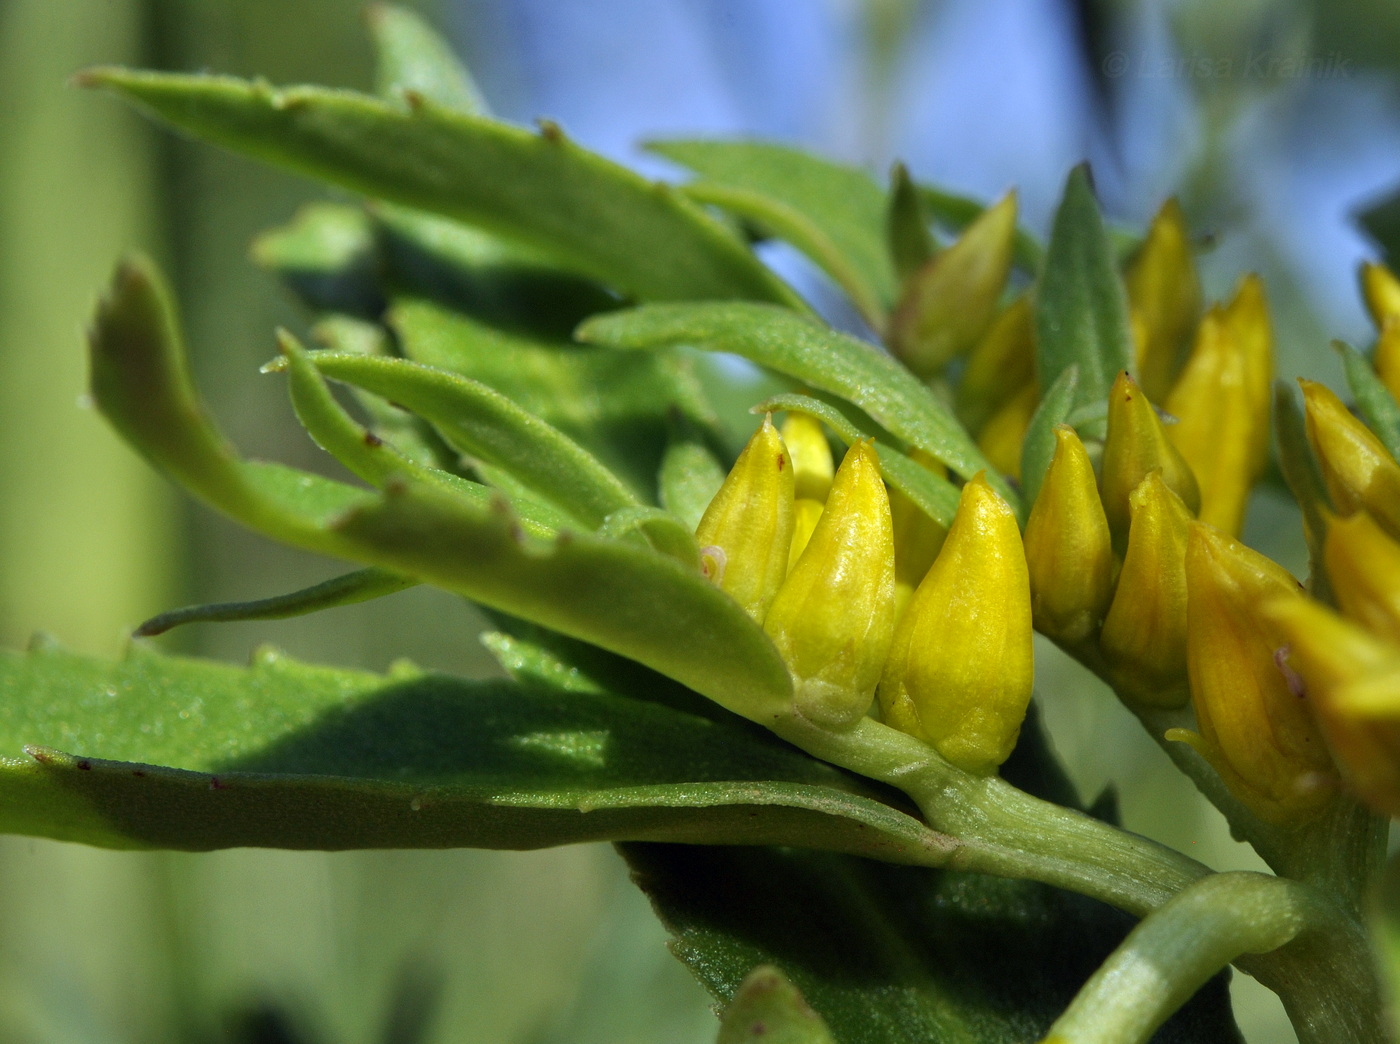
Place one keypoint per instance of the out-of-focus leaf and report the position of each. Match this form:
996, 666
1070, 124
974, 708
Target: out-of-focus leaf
813, 354
768, 1009
888, 955
832, 213
347, 589
415, 59
591, 214
617, 404
1385, 933
483, 423
1377, 406
189, 754
1381, 221
1039, 445
935, 495
1081, 308
690, 477
957, 212
910, 242
327, 256
1304, 480
655, 528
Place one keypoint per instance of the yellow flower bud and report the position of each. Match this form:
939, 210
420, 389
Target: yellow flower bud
812, 464
1357, 470
1248, 317
1255, 729
1363, 565
1143, 640
950, 302
746, 533
1221, 404
1165, 295
1336, 661
1068, 551
960, 670
1381, 290
1001, 362
1386, 358
1136, 445
917, 538
833, 617
1002, 437
806, 513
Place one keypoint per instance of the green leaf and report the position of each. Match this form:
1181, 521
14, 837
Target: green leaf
1385, 935
591, 214
768, 1009
619, 405
328, 256
1381, 222
654, 528
1081, 307
483, 423
911, 243
957, 212
1304, 480
832, 213
1038, 448
813, 354
895, 955
188, 754
935, 496
690, 477
359, 586
1376, 405
413, 59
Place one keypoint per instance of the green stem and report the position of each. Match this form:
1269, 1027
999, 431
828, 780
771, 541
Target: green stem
1176, 949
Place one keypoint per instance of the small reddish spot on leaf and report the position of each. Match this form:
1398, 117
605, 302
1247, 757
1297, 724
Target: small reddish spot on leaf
782, 462
373, 440
217, 784
138, 772
85, 766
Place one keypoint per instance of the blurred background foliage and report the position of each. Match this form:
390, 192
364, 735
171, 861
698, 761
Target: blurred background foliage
1276, 120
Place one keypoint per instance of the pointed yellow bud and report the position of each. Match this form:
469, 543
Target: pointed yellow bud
1255, 729
1335, 661
812, 464
746, 532
949, 303
1002, 437
1381, 290
1165, 295
1357, 470
917, 538
1068, 551
960, 670
1144, 635
1136, 445
1000, 363
806, 513
833, 618
1386, 358
1221, 404
1248, 317
1363, 565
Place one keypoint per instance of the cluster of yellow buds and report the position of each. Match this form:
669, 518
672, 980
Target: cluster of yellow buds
816, 554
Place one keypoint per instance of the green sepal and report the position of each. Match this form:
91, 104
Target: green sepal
1039, 445
833, 213
1374, 402
413, 59
813, 354
347, 589
910, 242
591, 214
1081, 306
934, 495
956, 212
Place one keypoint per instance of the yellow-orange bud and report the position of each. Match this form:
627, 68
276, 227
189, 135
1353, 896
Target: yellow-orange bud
917, 538
1000, 363
1002, 437
1221, 404
1255, 727
745, 534
1068, 550
1386, 358
961, 668
1357, 470
1143, 640
950, 302
806, 513
1363, 565
812, 463
1165, 295
1381, 290
1340, 665
1137, 445
833, 617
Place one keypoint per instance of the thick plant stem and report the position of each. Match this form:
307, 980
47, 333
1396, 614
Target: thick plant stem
1176, 949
